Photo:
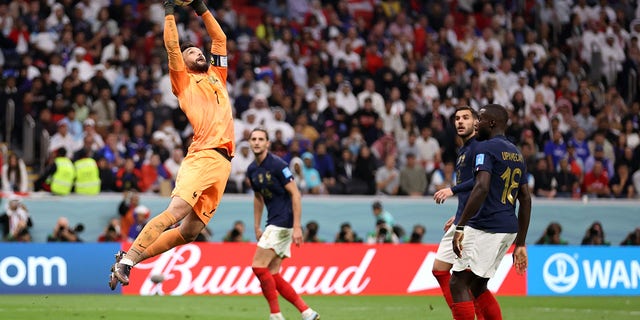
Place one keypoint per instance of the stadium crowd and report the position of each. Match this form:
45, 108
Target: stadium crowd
356, 94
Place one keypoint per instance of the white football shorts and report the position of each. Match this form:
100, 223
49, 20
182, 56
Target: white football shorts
278, 239
483, 251
445, 248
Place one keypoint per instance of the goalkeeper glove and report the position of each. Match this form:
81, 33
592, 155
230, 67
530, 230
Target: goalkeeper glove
199, 7
169, 7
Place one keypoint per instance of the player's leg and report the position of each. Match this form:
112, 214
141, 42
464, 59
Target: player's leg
488, 258
260, 265
443, 263
286, 291
177, 210
462, 307
486, 304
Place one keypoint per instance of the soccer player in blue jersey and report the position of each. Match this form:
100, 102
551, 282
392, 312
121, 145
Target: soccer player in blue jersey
465, 119
273, 186
489, 225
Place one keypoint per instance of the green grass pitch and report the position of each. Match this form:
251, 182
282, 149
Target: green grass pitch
104, 307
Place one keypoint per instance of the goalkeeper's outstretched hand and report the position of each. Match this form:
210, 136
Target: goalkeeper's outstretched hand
199, 7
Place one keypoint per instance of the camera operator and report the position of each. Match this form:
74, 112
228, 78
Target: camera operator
382, 234
62, 232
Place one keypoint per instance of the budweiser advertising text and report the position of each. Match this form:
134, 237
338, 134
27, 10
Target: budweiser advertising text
335, 269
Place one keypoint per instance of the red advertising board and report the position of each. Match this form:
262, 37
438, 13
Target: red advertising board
335, 269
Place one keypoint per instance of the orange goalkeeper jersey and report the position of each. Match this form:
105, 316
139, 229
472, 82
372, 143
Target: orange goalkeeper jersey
203, 96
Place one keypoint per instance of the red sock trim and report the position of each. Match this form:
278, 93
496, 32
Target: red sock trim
287, 291
489, 306
443, 278
463, 310
268, 285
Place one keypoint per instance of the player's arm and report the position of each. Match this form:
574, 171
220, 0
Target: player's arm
441, 195
177, 68
296, 204
218, 39
258, 207
520, 259
477, 197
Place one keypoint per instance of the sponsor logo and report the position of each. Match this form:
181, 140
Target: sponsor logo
14, 271
560, 273
177, 264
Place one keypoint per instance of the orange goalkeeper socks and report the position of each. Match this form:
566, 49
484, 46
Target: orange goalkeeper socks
167, 240
149, 235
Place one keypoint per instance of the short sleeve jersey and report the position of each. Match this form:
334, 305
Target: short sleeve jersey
505, 163
464, 172
269, 179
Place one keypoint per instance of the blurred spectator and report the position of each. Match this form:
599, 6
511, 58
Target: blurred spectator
442, 178
380, 214
552, 235
107, 176
111, 232
58, 177
311, 232
388, 177
173, 163
236, 234
417, 234
111, 151
325, 164
63, 232
596, 182
544, 181
554, 150
15, 221
595, 235
311, 175
130, 201
598, 156
568, 184
632, 239
347, 235
298, 175
620, 184
128, 177
153, 173
63, 139
238, 179
413, 178
141, 215
87, 180
364, 169
14, 175
429, 150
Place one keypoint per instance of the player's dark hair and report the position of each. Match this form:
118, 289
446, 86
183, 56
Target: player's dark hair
474, 113
260, 129
186, 45
498, 113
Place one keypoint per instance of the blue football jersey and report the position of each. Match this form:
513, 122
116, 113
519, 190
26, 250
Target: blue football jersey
464, 172
505, 163
269, 179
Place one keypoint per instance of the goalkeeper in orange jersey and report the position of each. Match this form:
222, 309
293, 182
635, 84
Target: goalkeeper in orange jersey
201, 88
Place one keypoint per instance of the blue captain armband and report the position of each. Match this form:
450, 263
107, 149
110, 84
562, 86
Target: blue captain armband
218, 61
